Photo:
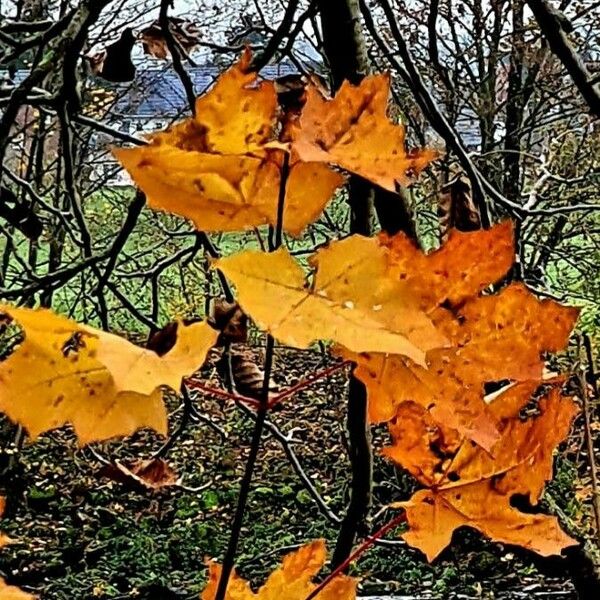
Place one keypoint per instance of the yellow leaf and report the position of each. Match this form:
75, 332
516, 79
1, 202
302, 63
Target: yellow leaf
232, 192
291, 581
352, 130
65, 372
222, 169
350, 300
469, 486
4, 539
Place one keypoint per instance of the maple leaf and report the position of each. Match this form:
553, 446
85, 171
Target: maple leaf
291, 581
468, 486
493, 337
66, 372
352, 130
220, 169
350, 299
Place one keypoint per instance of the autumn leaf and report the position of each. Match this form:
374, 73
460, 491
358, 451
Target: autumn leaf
222, 169
186, 33
66, 372
291, 581
352, 130
151, 474
9, 592
493, 337
467, 486
350, 299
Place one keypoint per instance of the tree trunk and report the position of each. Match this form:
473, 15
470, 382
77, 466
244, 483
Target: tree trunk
345, 50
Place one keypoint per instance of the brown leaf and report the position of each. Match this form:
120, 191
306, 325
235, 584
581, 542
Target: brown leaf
185, 32
151, 474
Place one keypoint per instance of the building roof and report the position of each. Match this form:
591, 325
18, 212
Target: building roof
160, 93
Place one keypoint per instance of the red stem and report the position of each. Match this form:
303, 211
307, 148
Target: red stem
306, 382
360, 550
192, 383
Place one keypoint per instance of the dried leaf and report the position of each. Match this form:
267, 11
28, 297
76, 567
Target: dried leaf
456, 209
151, 474
469, 486
186, 34
350, 300
291, 581
102, 384
352, 130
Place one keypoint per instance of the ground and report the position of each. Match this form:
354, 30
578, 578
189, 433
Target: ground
80, 535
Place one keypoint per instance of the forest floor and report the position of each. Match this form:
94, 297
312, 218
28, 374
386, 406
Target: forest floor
80, 535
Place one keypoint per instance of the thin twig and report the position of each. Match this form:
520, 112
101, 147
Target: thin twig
589, 442
261, 416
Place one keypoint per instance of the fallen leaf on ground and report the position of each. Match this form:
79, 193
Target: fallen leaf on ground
151, 474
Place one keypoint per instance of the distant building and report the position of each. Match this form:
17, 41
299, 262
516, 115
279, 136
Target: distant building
153, 100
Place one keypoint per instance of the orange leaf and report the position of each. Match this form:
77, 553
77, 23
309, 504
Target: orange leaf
9, 592
351, 299
352, 130
291, 581
468, 486
222, 168
99, 382
494, 337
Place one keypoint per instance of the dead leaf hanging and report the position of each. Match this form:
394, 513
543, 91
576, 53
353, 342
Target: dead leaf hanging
186, 33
